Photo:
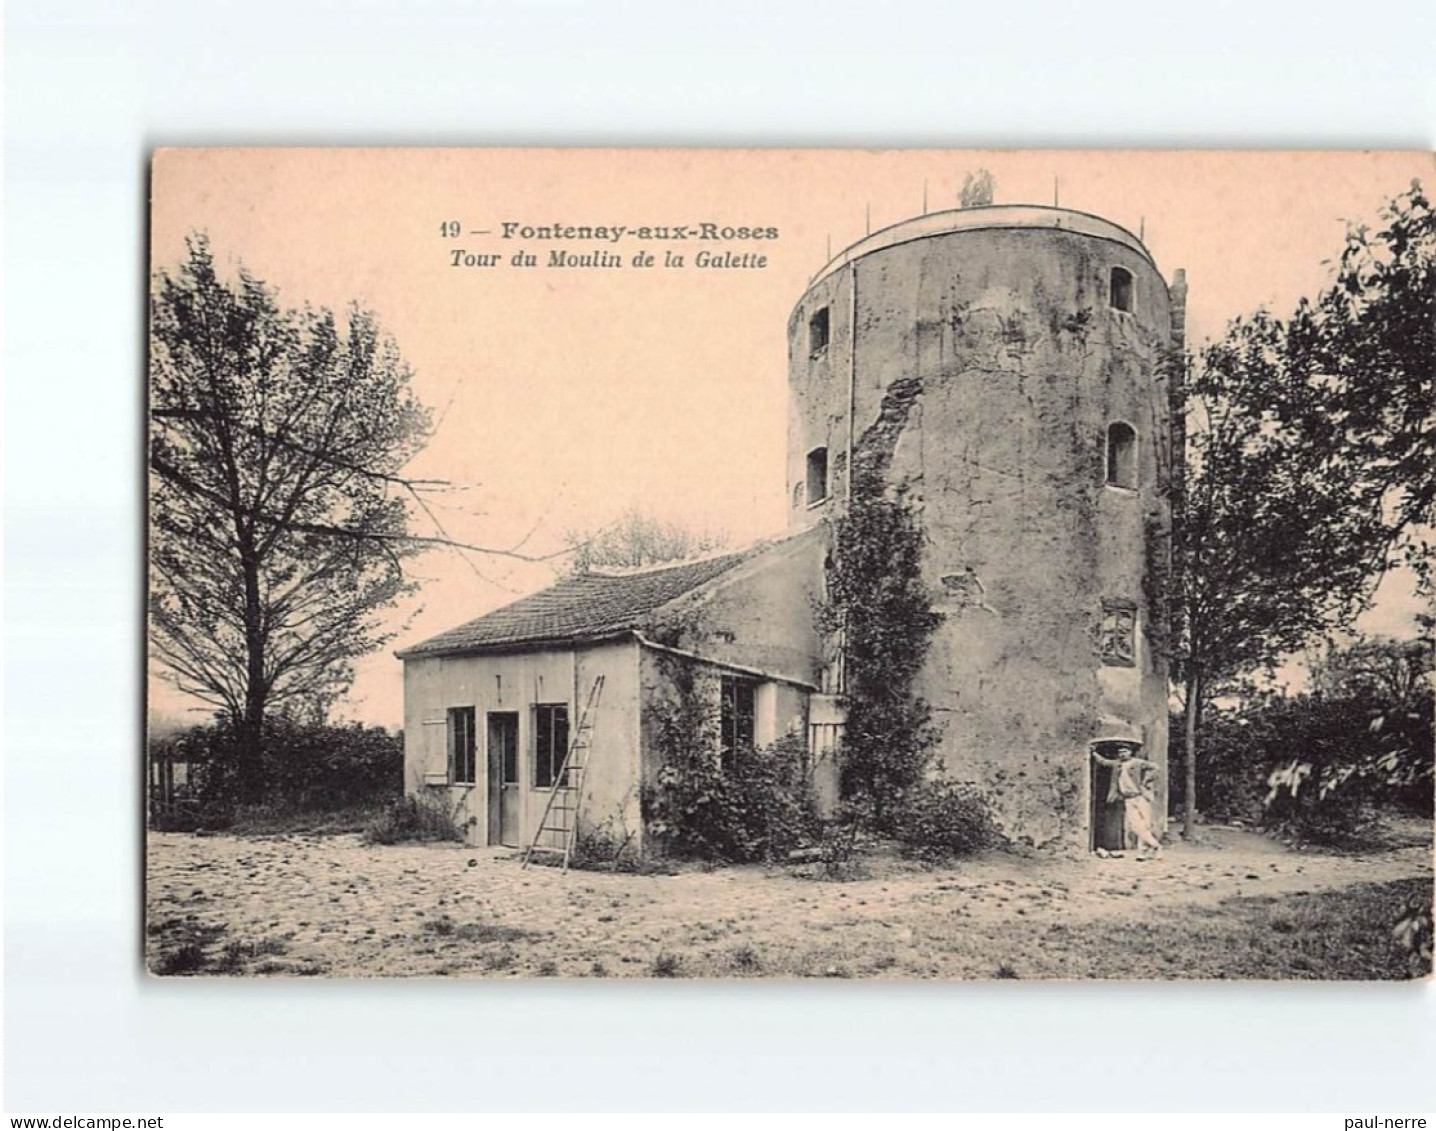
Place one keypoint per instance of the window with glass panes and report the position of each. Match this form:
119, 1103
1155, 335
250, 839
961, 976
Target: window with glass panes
461, 745
550, 742
737, 717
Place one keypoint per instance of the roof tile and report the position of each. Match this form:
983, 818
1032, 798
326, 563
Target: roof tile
578, 608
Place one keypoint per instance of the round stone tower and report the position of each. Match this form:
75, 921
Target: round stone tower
1006, 367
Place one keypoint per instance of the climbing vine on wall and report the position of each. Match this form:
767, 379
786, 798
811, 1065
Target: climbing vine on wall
877, 601
758, 806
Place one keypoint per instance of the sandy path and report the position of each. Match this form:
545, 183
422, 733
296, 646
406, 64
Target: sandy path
333, 905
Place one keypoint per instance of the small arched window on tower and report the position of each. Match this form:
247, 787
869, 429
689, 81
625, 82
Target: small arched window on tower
1121, 455
1121, 290
817, 475
818, 333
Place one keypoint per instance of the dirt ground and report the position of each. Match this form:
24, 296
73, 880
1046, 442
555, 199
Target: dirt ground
1238, 904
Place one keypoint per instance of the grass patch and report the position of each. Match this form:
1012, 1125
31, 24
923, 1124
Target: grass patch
481, 933
187, 958
306, 968
1345, 934
585, 860
181, 947
237, 955
667, 965
269, 819
414, 818
273, 820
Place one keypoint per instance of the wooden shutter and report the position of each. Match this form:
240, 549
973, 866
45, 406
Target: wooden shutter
435, 748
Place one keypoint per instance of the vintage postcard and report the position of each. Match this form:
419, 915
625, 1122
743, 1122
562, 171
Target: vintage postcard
790, 563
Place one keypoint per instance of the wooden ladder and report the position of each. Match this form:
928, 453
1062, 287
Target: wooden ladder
560, 814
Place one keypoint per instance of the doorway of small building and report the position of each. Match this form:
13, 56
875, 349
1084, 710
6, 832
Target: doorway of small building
1107, 824
503, 775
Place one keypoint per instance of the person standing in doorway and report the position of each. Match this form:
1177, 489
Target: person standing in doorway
1134, 784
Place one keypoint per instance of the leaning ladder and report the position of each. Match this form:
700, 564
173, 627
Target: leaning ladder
560, 813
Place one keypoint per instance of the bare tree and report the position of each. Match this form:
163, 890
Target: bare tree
637, 539
280, 513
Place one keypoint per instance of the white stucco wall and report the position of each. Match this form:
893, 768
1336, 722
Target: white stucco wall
518, 682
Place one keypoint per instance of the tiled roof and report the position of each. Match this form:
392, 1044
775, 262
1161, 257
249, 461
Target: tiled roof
578, 608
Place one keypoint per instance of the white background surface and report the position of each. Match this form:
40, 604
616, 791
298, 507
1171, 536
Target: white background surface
90, 88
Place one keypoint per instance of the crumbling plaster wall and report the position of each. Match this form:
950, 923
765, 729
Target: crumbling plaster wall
757, 616
988, 367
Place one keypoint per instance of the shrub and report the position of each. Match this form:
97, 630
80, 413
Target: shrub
1315, 807
237, 954
187, 958
187, 815
759, 808
939, 819
181, 946
601, 849
839, 844
770, 800
305, 768
415, 818
332, 767
1317, 764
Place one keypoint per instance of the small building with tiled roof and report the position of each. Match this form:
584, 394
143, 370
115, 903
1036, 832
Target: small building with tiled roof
589, 606
1001, 370
493, 706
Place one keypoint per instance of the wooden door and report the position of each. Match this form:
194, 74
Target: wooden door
504, 778
1108, 823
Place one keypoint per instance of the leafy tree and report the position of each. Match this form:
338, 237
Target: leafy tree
1393, 671
1389, 682
278, 505
1274, 546
1369, 344
638, 539
1310, 458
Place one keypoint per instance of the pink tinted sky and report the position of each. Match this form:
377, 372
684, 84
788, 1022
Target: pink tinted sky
566, 395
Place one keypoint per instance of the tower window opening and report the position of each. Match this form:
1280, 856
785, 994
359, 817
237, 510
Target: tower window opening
818, 333
817, 475
1121, 293
1121, 455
